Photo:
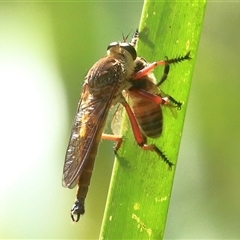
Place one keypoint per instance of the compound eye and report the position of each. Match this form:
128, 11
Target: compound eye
128, 47
113, 44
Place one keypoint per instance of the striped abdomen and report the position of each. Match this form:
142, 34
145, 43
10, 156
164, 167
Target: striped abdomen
148, 114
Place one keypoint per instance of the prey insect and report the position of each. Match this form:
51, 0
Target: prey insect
102, 88
145, 98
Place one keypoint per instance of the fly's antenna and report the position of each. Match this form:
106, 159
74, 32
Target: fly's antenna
135, 38
125, 38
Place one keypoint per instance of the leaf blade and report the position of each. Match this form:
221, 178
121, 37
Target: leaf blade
141, 183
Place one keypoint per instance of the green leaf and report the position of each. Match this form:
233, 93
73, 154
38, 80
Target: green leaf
141, 183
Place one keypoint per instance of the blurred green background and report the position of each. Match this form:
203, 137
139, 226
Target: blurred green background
45, 51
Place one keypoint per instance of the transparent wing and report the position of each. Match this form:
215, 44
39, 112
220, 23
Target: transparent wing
117, 117
102, 88
89, 119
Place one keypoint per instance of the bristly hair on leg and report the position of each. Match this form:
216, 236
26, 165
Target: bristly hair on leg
135, 38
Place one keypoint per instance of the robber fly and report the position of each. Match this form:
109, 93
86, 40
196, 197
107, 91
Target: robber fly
145, 98
102, 89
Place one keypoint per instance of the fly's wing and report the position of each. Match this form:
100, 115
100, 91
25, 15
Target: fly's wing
90, 117
118, 116
116, 119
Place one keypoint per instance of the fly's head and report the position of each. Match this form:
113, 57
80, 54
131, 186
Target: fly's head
124, 52
122, 48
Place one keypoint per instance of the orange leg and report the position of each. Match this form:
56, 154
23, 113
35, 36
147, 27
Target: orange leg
140, 139
166, 100
149, 96
165, 63
148, 69
116, 138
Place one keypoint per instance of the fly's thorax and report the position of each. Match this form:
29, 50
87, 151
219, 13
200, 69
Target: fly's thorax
104, 73
110, 71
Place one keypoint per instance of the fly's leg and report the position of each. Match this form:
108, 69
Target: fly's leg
143, 72
116, 138
162, 98
167, 66
158, 99
140, 139
173, 103
165, 73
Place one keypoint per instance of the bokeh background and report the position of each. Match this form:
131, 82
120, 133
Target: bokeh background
46, 49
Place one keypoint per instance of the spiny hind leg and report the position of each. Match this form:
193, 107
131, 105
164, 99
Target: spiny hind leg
153, 147
167, 65
150, 67
140, 139
163, 99
172, 102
